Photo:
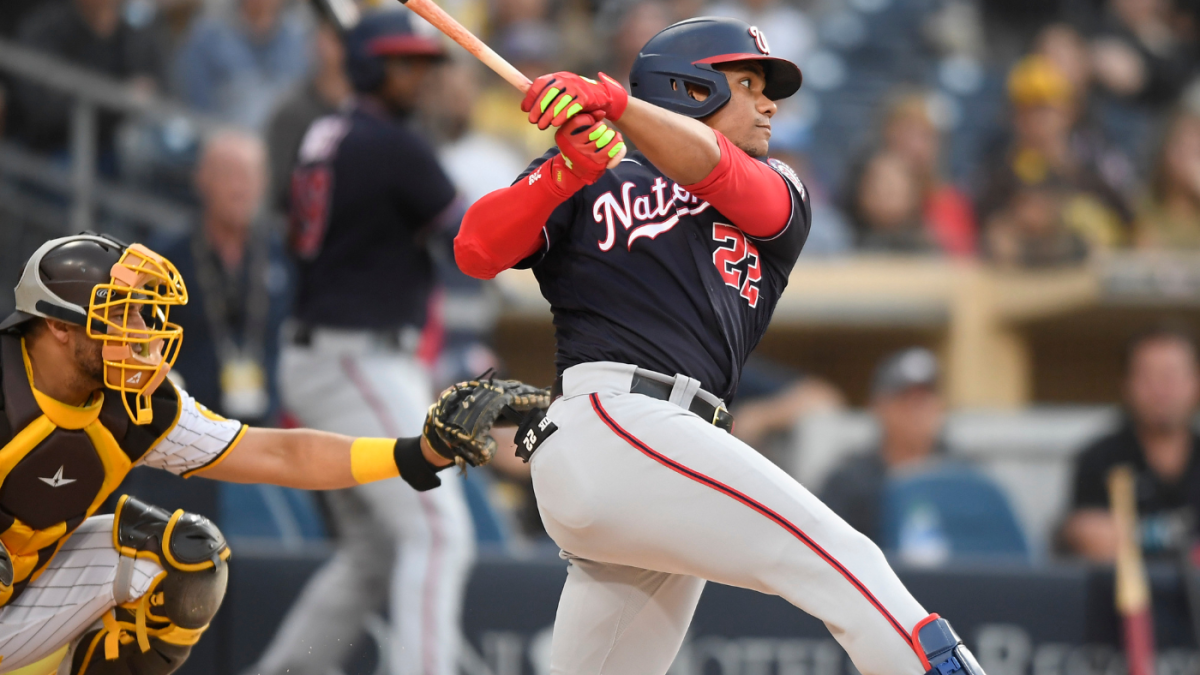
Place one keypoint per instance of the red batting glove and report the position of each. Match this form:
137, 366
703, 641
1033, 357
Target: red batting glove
588, 145
553, 99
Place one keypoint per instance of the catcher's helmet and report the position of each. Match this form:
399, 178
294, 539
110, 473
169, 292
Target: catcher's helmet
381, 34
100, 283
687, 51
59, 277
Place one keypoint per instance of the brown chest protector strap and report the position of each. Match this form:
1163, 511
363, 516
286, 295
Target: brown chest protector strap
16, 395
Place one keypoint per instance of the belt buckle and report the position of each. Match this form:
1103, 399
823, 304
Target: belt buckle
722, 419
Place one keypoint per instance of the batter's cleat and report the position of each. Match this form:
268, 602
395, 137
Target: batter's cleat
944, 650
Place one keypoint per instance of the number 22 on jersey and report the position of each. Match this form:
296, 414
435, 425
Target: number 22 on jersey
735, 249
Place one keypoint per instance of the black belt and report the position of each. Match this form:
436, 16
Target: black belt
719, 417
302, 335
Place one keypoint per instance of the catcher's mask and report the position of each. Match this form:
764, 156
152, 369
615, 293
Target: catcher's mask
122, 296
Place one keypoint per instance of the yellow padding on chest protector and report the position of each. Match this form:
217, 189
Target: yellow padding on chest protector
373, 459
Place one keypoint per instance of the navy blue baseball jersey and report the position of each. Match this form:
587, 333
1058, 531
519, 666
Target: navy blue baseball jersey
639, 271
364, 195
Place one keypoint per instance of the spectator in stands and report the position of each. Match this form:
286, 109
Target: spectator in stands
910, 133
238, 287
477, 162
886, 208
1158, 439
1041, 156
1090, 141
906, 494
91, 34
1144, 52
176, 17
237, 63
1030, 231
1169, 214
325, 92
907, 404
238, 283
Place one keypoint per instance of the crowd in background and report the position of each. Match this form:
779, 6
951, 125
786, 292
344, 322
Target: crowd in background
1065, 128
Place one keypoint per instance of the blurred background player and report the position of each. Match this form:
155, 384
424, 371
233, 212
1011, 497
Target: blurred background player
368, 199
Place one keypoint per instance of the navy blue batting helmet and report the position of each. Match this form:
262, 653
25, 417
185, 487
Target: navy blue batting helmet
687, 51
379, 35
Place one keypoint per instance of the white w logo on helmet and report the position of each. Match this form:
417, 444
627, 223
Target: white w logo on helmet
760, 40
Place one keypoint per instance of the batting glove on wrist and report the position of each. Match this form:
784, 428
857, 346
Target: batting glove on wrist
589, 146
555, 98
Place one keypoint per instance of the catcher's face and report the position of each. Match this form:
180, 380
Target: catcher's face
128, 317
746, 119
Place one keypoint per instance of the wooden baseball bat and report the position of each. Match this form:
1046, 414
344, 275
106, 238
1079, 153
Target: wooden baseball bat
1132, 586
437, 16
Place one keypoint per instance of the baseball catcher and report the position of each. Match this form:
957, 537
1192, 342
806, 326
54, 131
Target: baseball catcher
84, 397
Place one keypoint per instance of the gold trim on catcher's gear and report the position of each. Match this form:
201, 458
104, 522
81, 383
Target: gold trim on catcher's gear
180, 602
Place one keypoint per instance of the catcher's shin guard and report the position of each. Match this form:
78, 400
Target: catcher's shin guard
153, 634
945, 653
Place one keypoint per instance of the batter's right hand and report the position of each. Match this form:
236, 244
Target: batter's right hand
589, 145
553, 99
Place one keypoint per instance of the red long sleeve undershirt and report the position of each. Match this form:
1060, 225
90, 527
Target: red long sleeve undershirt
747, 191
505, 226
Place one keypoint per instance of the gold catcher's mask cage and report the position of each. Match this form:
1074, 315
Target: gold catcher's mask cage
130, 316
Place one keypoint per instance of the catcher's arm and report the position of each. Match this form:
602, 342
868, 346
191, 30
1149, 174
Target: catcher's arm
318, 460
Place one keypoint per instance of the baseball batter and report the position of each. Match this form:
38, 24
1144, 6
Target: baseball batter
662, 273
84, 398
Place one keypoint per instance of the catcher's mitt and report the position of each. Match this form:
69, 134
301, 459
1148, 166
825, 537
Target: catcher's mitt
458, 422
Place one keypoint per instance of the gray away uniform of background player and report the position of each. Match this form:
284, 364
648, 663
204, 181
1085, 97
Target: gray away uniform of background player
365, 189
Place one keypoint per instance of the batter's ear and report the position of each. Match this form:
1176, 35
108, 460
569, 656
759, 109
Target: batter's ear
696, 91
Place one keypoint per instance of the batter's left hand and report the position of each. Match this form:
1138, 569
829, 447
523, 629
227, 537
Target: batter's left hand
553, 99
589, 146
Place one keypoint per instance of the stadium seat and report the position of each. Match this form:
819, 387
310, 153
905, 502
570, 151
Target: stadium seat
950, 511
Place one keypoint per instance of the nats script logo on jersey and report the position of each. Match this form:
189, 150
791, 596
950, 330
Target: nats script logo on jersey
647, 216
640, 212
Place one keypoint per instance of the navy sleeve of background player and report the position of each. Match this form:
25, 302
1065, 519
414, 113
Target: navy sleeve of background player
559, 221
421, 187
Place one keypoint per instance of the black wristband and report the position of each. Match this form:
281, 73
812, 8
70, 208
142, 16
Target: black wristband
413, 467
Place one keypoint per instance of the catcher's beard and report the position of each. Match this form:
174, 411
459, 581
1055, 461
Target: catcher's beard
89, 361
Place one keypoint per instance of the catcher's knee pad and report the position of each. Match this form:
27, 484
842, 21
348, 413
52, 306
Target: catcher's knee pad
154, 633
945, 653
